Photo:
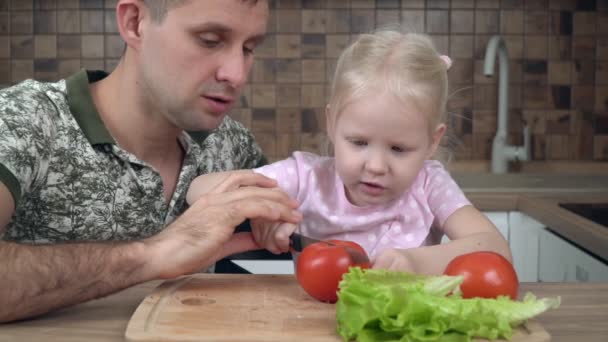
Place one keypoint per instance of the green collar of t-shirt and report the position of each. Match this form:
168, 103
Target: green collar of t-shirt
84, 111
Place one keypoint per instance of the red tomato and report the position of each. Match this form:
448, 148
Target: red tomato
320, 267
486, 275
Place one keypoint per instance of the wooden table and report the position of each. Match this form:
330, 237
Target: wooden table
583, 315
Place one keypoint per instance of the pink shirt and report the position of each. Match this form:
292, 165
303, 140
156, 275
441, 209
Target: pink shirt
404, 223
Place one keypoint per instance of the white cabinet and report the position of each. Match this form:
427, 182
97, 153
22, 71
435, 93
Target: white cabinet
524, 235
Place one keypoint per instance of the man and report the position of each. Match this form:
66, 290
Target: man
94, 169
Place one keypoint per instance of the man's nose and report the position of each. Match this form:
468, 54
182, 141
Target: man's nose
233, 69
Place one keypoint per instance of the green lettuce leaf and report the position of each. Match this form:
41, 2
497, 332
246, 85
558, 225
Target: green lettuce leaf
381, 305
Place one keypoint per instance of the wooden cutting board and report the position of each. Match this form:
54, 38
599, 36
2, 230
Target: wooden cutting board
239, 307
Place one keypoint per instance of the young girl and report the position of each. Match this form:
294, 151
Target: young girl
381, 189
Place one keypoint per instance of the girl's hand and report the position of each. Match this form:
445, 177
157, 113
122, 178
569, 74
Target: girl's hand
395, 260
273, 236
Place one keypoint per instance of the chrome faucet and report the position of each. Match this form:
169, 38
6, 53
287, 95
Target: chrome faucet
502, 152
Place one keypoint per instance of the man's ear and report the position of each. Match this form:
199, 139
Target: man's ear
129, 17
329, 124
437, 135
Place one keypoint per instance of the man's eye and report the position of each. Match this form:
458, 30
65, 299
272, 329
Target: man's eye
210, 42
398, 149
248, 51
358, 142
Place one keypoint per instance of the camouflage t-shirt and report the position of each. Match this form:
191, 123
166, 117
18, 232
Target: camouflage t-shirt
72, 182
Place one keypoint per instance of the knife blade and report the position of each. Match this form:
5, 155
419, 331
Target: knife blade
298, 242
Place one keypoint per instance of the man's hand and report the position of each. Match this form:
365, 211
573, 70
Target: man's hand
204, 233
272, 235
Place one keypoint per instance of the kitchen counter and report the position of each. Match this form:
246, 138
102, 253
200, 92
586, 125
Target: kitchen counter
538, 196
581, 316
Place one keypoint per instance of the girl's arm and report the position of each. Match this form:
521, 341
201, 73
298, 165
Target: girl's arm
469, 231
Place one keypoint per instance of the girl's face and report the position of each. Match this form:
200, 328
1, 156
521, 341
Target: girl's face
380, 145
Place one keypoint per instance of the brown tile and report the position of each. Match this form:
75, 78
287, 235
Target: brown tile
45, 4
288, 95
437, 21
536, 4
289, 120
535, 97
601, 72
91, 3
5, 48
4, 5
464, 148
441, 4
22, 47
535, 72
602, 23
338, 21
313, 95
515, 96
583, 97
313, 120
110, 4
560, 97
335, 44
486, 21
482, 146
362, 20
22, 22
267, 142
515, 46
583, 72
584, 23
109, 21
601, 99
242, 115
68, 21
481, 42
5, 71
484, 121
67, 67
93, 64
45, 69
22, 4
485, 96
442, 43
562, 4
68, 46
268, 48
413, 20
263, 71
538, 149
487, 3
313, 142
461, 97
21, 69
386, 18
558, 147
512, 4
92, 46
387, 3
244, 100
287, 144
461, 46
412, 3
314, 21
602, 47
45, 46
313, 46
263, 120
288, 70
461, 71
114, 46
599, 123
481, 78
45, 22
512, 21
91, 21
560, 47
560, 23
110, 64
362, 4
582, 127
536, 47
271, 23
600, 147
560, 72
583, 47
289, 45
462, 21
537, 22
4, 23
313, 70
289, 3
336, 3
68, 4
558, 122
263, 96
330, 68
536, 120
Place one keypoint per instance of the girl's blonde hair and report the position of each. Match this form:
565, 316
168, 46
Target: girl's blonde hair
405, 64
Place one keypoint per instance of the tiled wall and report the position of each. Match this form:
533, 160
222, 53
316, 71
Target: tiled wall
558, 64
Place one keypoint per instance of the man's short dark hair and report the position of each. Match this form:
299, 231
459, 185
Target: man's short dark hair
159, 8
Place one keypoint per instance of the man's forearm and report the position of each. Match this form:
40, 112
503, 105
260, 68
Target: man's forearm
40, 278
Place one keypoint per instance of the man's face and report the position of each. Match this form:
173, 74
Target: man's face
195, 63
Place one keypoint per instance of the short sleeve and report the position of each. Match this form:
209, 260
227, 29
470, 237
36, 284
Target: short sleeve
24, 139
444, 196
286, 173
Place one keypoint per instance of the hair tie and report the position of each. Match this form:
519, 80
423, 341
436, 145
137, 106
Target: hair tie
447, 60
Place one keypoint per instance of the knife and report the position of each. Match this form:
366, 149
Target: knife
298, 242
